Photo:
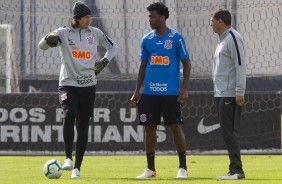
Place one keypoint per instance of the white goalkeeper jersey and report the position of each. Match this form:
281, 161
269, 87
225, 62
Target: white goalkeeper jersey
79, 53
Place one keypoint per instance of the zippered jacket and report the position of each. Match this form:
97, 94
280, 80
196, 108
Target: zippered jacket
78, 52
229, 69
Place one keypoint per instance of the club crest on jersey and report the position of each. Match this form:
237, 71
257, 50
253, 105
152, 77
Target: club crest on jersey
168, 44
90, 40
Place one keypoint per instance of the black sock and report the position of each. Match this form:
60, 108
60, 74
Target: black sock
151, 161
182, 160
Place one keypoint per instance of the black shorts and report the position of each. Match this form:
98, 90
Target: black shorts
77, 100
152, 107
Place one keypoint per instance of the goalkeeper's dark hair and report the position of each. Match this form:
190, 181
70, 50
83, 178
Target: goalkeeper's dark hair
222, 14
74, 23
160, 7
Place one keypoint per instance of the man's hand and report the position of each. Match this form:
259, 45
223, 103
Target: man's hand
240, 100
135, 98
53, 40
183, 96
100, 65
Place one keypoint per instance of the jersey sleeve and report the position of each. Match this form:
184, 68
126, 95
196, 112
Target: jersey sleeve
108, 44
237, 54
59, 31
144, 53
182, 50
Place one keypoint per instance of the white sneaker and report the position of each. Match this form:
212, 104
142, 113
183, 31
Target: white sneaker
67, 165
231, 176
75, 173
182, 173
147, 174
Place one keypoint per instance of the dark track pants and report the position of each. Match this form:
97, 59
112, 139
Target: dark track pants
229, 118
77, 104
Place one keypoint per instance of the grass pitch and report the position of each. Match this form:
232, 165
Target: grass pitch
264, 169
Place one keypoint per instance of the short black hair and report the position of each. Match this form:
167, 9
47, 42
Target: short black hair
224, 15
160, 7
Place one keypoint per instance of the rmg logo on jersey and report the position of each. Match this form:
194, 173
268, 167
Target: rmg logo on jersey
159, 60
80, 54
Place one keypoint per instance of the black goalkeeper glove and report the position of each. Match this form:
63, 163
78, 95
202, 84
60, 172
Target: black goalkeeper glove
53, 40
100, 65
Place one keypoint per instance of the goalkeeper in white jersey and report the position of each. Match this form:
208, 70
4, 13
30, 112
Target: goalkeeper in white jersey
79, 68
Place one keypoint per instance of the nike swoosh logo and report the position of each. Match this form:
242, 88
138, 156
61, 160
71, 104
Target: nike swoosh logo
226, 103
202, 129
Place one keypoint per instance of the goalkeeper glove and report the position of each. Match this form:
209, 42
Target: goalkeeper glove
100, 65
53, 40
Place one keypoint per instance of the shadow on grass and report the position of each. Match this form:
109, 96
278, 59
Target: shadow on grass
180, 180
159, 178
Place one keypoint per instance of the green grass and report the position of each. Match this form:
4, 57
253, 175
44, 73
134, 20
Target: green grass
262, 169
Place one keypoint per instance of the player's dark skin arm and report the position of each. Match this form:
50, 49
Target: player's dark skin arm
141, 75
183, 96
